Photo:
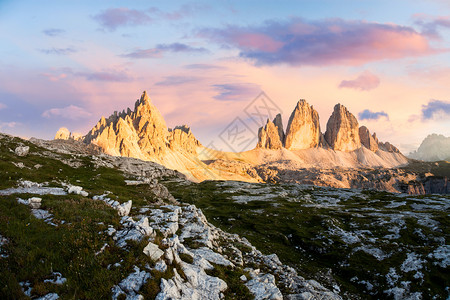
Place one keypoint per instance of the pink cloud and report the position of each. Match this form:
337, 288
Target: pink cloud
2, 106
4, 125
160, 49
71, 112
364, 82
113, 18
328, 42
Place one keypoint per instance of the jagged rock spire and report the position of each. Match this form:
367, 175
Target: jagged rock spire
141, 133
342, 130
269, 135
303, 129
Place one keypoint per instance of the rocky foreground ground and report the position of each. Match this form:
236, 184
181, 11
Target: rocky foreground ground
77, 225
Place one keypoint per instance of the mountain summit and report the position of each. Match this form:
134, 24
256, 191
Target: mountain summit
433, 148
142, 133
303, 132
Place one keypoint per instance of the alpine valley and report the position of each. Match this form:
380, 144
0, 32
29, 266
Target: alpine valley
136, 210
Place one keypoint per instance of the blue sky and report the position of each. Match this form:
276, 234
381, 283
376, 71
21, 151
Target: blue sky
67, 63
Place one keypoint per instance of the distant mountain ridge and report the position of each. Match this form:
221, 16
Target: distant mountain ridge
434, 147
142, 133
303, 132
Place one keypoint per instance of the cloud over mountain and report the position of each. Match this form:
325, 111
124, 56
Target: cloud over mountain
436, 109
372, 115
71, 112
364, 82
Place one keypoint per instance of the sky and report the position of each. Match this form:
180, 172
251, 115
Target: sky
67, 63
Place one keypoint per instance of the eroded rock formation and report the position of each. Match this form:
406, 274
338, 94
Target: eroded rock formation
303, 129
271, 136
342, 130
141, 133
367, 140
64, 134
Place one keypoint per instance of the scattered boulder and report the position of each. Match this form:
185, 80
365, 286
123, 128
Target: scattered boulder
153, 251
263, 286
78, 190
131, 285
22, 150
124, 208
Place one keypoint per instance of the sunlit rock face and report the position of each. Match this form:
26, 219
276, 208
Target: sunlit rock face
141, 133
64, 134
303, 130
367, 140
271, 135
342, 130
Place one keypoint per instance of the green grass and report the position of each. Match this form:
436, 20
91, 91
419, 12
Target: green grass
36, 249
299, 235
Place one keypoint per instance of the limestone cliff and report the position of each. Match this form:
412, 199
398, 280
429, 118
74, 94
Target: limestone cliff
388, 147
367, 140
342, 130
269, 135
303, 129
141, 133
64, 134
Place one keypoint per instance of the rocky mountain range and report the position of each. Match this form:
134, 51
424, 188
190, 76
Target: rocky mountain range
433, 148
293, 155
303, 132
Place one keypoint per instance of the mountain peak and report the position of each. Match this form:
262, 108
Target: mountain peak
140, 133
303, 129
269, 135
342, 130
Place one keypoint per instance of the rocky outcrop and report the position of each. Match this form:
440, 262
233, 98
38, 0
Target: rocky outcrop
433, 148
342, 130
181, 138
386, 146
303, 129
271, 136
141, 133
64, 134
279, 124
367, 140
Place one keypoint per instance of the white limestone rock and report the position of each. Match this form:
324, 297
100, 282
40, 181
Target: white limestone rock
132, 230
264, 287
153, 251
124, 208
211, 256
34, 202
22, 150
131, 285
50, 296
78, 190
160, 266
198, 286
